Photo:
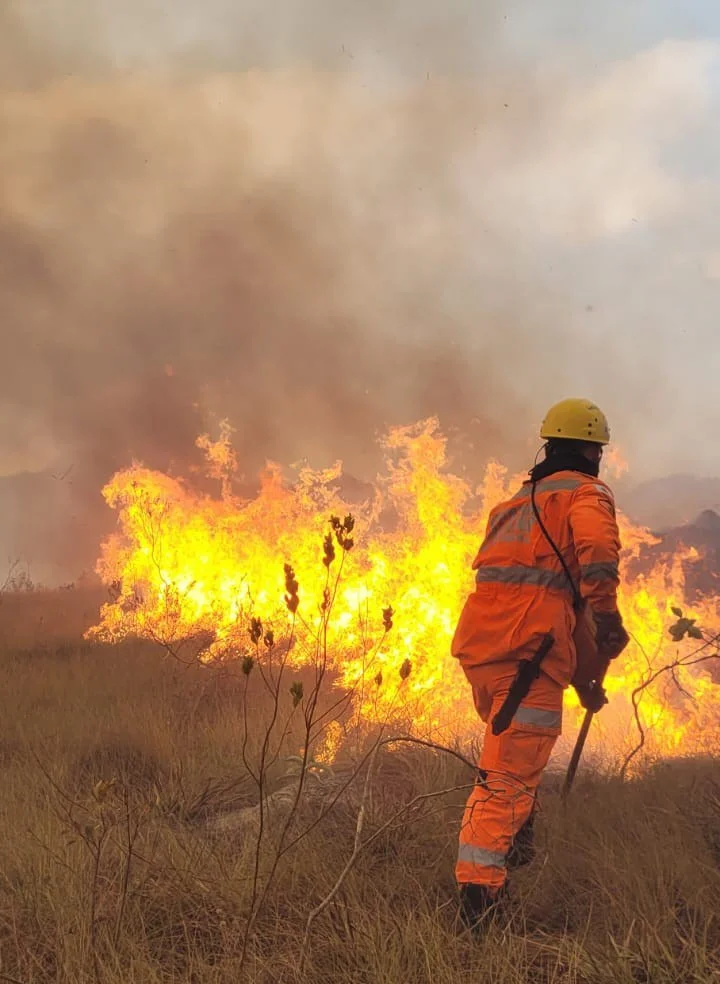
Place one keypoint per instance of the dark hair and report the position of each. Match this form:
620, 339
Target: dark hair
565, 445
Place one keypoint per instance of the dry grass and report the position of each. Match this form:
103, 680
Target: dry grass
130, 883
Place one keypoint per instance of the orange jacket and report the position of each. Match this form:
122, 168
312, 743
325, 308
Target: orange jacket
522, 591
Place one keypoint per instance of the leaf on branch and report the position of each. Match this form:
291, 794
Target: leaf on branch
256, 630
388, 618
677, 612
405, 669
328, 550
296, 692
342, 530
247, 665
292, 599
682, 628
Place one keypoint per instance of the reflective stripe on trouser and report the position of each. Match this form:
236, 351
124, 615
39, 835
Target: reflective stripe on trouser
510, 768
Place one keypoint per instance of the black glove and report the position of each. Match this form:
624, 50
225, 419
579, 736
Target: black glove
610, 635
592, 696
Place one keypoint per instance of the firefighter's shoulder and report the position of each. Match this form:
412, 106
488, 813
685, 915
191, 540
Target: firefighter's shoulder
595, 489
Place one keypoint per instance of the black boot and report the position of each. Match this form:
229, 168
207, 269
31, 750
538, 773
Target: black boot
478, 906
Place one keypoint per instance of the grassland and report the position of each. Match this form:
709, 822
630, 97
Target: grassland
130, 841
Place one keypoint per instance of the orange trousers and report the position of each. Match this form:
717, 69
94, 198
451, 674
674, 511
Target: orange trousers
510, 767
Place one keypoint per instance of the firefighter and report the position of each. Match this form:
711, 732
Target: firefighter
543, 615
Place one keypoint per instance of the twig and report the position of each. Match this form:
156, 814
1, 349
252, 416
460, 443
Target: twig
360, 847
258, 900
407, 739
131, 833
357, 847
692, 659
10, 576
96, 850
257, 897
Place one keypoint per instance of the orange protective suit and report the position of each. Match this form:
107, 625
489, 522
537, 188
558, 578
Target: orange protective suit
521, 594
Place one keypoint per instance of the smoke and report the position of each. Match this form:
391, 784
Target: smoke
316, 225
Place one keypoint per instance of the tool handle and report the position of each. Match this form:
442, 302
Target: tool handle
580, 745
577, 752
527, 671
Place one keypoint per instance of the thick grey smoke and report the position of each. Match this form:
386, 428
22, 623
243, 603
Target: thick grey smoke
314, 225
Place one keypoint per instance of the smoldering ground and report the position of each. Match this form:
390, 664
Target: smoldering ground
316, 228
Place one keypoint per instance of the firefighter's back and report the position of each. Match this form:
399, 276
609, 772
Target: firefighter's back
522, 590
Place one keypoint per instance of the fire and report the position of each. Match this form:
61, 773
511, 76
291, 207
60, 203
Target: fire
380, 600
615, 463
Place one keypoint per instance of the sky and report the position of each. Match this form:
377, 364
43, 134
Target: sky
321, 219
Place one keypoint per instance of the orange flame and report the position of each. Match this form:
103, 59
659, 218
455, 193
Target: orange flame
188, 565
616, 464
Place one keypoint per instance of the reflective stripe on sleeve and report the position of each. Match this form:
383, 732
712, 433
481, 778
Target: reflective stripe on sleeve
601, 570
540, 577
478, 855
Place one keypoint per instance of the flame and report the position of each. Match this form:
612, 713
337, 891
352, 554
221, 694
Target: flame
616, 465
377, 602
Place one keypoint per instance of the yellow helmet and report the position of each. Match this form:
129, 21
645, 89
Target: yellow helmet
577, 420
